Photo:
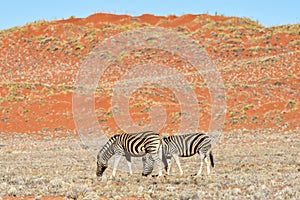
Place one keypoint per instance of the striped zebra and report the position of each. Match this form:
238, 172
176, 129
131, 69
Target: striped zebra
185, 146
144, 144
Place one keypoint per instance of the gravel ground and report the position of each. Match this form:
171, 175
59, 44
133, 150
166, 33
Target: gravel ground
260, 165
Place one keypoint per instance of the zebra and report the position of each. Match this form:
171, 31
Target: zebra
187, 145
143, 144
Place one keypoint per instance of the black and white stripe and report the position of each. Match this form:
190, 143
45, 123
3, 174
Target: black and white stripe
143, 144
187, 145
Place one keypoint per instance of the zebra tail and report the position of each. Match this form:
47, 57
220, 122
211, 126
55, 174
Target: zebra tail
211, 158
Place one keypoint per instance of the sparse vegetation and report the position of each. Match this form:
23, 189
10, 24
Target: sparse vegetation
253, 165
294, 43
257, 159
291, 29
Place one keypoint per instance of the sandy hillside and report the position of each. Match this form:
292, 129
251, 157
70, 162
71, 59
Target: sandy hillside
257, 157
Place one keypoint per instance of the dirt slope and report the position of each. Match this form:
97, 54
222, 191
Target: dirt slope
39, 63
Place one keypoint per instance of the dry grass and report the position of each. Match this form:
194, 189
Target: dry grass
265, 166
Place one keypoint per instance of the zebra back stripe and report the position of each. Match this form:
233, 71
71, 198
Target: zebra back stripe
188, 144
140, 143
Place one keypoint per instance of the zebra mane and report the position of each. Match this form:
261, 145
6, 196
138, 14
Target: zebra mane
109, 143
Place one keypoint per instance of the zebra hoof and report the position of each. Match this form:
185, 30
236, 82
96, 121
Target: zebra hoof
144, 174
195, 175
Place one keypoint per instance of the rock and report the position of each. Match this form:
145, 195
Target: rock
12, 191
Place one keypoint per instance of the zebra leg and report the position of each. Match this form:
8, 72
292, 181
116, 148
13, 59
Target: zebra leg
128, 159
202, 156
166, 160
207, 165
158, 162
176, 158
117, 160
167, 163
162, 157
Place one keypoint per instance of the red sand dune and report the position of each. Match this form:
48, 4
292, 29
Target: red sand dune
39, 63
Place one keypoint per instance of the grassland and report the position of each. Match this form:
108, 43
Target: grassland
247, 166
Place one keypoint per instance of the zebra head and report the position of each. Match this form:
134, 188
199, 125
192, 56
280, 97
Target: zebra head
148, 162
105, 154
101, 167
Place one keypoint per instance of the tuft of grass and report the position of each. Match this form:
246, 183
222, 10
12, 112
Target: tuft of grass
291, 104
291, 29
294, 43
42, 40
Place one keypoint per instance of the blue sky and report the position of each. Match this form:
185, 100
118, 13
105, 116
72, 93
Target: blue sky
266, 12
